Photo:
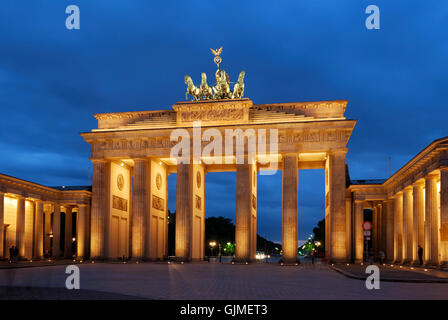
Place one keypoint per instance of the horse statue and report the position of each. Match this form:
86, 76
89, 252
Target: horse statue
206, 90
222, 88
192, 90
238, 88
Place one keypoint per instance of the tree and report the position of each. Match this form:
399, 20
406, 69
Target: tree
319, 234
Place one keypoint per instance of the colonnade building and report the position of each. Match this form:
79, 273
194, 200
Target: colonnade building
125, 213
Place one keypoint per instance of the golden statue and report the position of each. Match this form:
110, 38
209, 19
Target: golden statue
217, 59
238, 88
192, 90
222, 88
206, 91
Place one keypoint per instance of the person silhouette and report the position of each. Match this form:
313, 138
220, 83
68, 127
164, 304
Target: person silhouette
420, 254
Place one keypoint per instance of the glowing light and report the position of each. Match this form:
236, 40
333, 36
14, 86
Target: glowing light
260, 256
122, 164
73, 239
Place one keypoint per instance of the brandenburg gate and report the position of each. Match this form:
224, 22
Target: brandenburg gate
132, 158
134, 152
126, 212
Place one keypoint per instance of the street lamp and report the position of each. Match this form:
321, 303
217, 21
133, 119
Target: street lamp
212, 245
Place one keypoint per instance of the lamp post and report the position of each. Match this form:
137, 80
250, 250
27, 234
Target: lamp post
212, 246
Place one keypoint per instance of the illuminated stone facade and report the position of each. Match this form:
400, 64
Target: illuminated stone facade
137, 144
410, 209
30, 219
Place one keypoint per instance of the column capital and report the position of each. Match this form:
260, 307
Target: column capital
444, 169
431, 176
102, 160
398, 195
419, 183
408, 189
338, 152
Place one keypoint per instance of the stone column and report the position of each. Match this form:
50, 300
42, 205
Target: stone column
56, 249
2, 221
337, 243
39, 231
419, 220
20, 226
68, 232
375, 231
390, 229
47, 228
290, 198
379, 229
99, 241
431, 221
184, 211
81, 228
359, 234
407, 225
139, 208
444, 215
246, 204
398, 219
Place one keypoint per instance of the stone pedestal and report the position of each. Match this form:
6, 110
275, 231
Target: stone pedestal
290, 184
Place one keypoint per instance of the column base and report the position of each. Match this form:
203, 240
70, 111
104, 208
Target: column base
180, 259
341, 260
407, 262
289, 262
443, 264
241, 261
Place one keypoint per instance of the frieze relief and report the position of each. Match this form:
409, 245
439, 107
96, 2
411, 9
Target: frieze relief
288, 137
119, 203
158, 203
212, 115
